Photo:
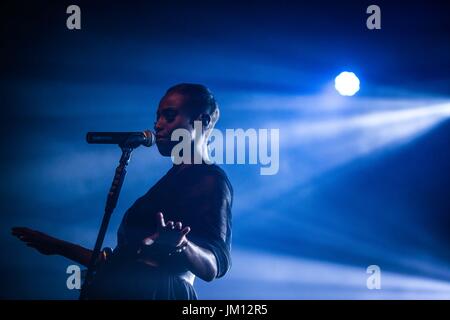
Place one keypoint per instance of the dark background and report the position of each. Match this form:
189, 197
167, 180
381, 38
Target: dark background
362, 180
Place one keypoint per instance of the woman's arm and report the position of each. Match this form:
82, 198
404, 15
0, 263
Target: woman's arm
48, 245
75, 253
200, 261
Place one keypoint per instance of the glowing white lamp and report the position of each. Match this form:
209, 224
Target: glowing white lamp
346, 83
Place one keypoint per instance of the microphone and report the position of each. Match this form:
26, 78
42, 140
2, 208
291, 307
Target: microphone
123, 139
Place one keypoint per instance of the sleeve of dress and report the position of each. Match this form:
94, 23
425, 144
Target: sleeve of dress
208, 203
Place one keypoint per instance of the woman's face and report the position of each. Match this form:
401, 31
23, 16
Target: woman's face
171, 115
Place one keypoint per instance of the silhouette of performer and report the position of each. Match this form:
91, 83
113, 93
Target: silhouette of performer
179, 229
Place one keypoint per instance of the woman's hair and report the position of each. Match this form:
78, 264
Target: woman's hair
199, 100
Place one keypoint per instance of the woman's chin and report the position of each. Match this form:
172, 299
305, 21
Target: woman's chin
164, 149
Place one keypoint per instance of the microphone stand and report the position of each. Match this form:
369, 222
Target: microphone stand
111, 203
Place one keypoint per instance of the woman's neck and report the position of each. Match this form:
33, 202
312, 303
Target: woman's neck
200, 155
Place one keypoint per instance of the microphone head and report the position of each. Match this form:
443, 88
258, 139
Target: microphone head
149, 138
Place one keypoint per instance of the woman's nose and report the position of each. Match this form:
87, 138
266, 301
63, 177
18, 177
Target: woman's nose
159, 126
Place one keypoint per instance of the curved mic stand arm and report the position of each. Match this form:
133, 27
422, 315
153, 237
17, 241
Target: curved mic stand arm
111, 203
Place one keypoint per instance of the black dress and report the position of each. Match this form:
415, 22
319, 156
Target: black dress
200, 196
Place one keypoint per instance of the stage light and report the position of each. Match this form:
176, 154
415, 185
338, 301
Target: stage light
346, 83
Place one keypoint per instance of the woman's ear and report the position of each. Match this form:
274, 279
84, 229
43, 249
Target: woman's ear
212, 120
215, 116
206, 119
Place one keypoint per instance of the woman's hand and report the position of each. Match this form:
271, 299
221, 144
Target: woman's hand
201, 262
168, 234
42, 242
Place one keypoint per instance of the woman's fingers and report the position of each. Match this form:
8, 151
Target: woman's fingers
23, 234
185, 231
35, 239
160, 220
170, 225
17, 231
31, 237
29, 240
